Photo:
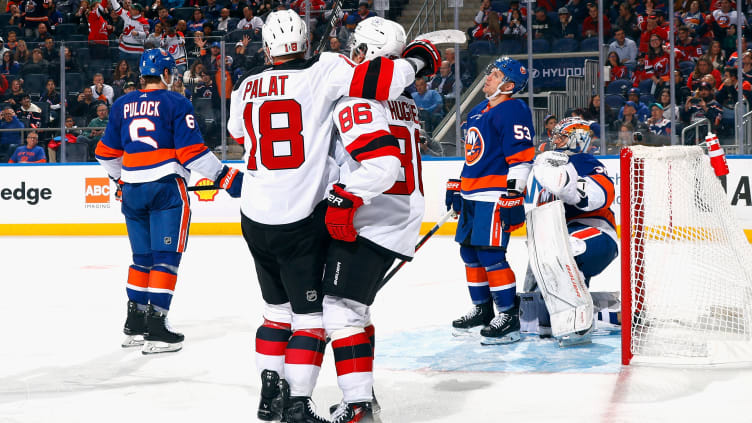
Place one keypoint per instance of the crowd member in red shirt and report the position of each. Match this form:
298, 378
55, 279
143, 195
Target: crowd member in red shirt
689, 48
651, 27
704, 67
590, 25
618, 70
641, 72
99, 28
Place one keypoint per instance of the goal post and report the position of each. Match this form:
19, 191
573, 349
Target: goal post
686, 264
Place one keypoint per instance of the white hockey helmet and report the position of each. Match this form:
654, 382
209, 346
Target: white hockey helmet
284, 33
576, 131
378, 37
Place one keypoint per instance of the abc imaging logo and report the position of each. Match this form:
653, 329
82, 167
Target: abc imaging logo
97, 193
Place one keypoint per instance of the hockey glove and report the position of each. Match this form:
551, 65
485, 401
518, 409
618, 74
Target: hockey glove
231, 180
426, 52
119, 192
453, 199
340, 213
511, 211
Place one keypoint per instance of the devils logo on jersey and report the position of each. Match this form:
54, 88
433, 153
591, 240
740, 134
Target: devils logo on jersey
473, 146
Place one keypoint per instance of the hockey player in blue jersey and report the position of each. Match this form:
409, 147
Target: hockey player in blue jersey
498, 157
149, 147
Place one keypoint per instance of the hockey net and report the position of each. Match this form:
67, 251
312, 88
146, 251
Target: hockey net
686, 263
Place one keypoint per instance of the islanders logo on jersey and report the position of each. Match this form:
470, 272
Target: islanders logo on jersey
473, 146
206, 195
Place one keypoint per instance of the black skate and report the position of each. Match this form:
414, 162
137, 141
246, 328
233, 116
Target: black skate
361, 412
375, 406
159, 336
135, 326
503, 329
302, 410
274, 393
479, 315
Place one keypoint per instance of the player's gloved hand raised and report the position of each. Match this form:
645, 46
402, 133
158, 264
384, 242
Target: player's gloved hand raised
511, 211
340, 213
453, 198
426, 52
230, 180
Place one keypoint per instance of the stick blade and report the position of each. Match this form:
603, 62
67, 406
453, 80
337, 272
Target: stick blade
444, 36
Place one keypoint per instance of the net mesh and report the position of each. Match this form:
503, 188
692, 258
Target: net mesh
691, 268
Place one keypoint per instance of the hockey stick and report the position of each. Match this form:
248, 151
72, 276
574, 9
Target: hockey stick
336, 10
203, 188
450, 213
444, 36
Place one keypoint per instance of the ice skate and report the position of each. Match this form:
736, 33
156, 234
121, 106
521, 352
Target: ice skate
503, 329
159, 336
274, 392
577, 338
302, 410
479, 315
361, 412
135, 326
375, 407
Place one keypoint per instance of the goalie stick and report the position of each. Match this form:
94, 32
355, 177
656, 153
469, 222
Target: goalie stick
336, 10
203, 188
432, 232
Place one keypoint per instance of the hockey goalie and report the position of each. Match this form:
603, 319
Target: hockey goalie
571, 236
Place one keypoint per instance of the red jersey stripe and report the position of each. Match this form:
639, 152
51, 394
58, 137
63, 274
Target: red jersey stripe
148, 158
138, 277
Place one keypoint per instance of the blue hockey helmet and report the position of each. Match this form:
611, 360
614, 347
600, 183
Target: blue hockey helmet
153, 62
513, 72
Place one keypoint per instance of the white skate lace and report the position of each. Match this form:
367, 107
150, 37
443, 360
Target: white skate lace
499, 320
472, 313
339, 411
312, 409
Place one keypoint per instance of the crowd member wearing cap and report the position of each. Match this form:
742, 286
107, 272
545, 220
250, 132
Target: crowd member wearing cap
565, 27
623, 46
541, 25
627, 21
703, 105
641, 109
129, 86
212, 59
590, 24
174, 43
629, 112
238, 55
658, 125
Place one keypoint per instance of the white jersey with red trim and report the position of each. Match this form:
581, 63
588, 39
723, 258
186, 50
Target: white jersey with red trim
383, 168
175, 45
283, 114
135, 30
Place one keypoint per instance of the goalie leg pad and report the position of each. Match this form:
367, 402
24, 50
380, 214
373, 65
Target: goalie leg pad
561, 282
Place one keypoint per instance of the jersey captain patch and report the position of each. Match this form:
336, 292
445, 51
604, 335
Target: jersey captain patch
473, 146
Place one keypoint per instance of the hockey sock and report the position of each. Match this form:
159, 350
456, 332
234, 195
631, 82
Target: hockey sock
477, 283
371, 334
502, 284
138, 280
271, 342
353, 359
162, 279
303, 357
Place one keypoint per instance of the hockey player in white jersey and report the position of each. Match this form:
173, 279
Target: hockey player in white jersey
283, 115
374, 215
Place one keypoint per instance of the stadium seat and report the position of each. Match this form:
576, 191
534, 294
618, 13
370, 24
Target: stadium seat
64, 31
686, 67
500, 5
45, 106
645, 86
76, 152
564, 45
511, 47
615, 101
183, 13
78, 40
647, 99
589, 44
540, 46
74, 82
554, 16
481, 47
619, 86
34, 83
4, 19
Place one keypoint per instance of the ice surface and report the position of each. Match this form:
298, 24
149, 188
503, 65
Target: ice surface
62, 308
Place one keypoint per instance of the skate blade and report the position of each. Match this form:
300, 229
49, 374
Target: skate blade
157, 347
574, 340
508, 339
460, 332
133, 341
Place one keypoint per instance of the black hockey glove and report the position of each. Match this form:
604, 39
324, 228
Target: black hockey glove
426, 52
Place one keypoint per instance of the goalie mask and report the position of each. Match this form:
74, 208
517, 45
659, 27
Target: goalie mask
378, 37
572, 135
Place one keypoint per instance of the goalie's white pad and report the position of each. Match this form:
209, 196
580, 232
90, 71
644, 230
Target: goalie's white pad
560, 281
557, 176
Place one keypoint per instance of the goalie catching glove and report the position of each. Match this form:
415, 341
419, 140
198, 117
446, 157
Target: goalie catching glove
425, 52
230, 180
340, 213
559, 177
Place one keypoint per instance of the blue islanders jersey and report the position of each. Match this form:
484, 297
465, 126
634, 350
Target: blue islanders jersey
498, 147
24, 154
152, 134
595, 209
